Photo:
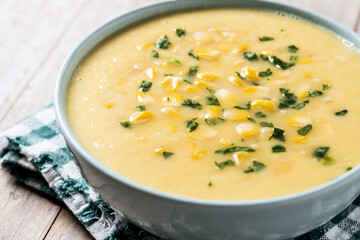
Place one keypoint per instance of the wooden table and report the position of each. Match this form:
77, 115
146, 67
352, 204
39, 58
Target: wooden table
35, 38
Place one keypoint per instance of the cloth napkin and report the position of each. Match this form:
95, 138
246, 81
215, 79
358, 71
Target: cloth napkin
35, 153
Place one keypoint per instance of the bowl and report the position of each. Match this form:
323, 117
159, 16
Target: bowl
175, 217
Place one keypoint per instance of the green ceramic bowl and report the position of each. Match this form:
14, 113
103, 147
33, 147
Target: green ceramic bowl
176, 217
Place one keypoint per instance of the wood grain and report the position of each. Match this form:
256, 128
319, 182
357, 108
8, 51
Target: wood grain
38, 38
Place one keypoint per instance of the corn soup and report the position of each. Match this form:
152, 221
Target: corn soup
222, 104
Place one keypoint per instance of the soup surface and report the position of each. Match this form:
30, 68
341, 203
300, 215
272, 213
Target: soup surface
221, 104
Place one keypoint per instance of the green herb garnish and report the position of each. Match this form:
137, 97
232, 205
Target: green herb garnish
247, 106
210, 90
292, 48
277, 62
210, 122
174, 61
264, 57
260, 115
240, 76
125, 124
155, 54
321, 154
348, 168
266, 124
341, 112
251, 56
145, 86
278, 134
167, 154
168, 74
192, 71
266, 73
141, 108
288, 100
234, 149
210, 184
300, 105
265, 38
256, 167
187, 81
303, 131
326, 86
180, 32
212, 100
192, 125
314, 93
192, 104
293, 58
251, 119
192, 54
225, 163
278, 148
163, 42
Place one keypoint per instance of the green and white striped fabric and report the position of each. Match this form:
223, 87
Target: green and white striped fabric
35, 153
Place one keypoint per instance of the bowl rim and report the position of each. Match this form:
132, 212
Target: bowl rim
60, 112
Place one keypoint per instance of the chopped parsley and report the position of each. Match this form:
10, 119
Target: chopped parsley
210, 184
266, 73
163, 42
141, 108
278, 148
288, 100
256, 167
192, 71
225, 163
192, 104
234, 149
292, 48
264, 57
314, 93
155, 54
251, 119
192, 125
260, 115
277, 62
240, 76
145, 86
348, 168
125, 124
192, 54
321, 154
180, 32
278, 134
341, 112
326, 86
212, 100
251, 56
266, 124
303, 131
210, 122
168, 74
210, 90
293, 58
167, 154
247, 106
265, 38
300, 105
187, 81
174, 61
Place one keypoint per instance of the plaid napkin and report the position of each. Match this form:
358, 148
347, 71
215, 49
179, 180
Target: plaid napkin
35, 153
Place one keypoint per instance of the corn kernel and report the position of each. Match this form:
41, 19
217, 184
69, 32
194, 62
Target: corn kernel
207, 53
203, 133
207, 76
160, 150
303, 93
150, 72
235, 80
301, 139
199, 154
249, 73
226, 98
240, 157
305, 60
247, 129
170, 83
299, 121
242, 47
264, 104
307, 75
203, 37
225, 141
173, 100
266, 133
229, 36
211, 112
190, 89
110, 105
144, 46
141, 117
201, 83
235, 114
170, 111
144, 98
170, 127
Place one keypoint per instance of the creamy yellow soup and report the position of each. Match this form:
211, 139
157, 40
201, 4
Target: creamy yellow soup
221, 104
